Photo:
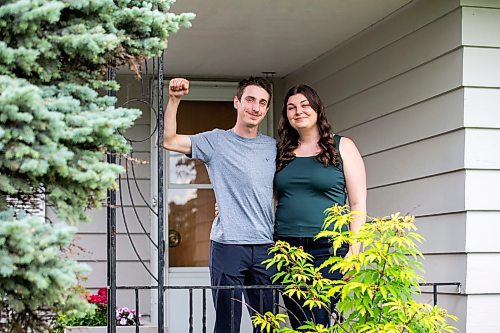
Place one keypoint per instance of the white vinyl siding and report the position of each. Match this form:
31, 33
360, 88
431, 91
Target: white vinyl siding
481, 79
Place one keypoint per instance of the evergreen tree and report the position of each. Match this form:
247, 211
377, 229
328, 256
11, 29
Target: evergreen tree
34, 274
55, 129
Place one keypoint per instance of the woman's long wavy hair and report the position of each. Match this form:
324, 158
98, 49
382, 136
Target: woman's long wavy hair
288, 137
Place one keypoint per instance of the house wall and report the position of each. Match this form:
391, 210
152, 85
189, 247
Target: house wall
397, 90
481, 82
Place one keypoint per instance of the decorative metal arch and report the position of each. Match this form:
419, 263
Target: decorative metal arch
147, 97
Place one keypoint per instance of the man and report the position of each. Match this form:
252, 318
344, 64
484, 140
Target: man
241, 166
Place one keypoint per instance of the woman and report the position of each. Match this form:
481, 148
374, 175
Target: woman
315, 169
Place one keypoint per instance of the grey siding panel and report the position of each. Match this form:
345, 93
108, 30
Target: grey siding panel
127, 274
482, 190
130, 93
131, 192
481, 267
136, 164
454, 304
482, 107
99, 221
482, 67
482, 313
396, 91
140, 135
441, 37
478, 20
421, 159
483, 231
436, 231
406, 21
124, 250
446, 267
427, 196
435, 78
432, 117
481, 145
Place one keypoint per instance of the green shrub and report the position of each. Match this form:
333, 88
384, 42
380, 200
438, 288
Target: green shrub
379, 286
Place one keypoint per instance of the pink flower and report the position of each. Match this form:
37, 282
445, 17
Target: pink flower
125, 316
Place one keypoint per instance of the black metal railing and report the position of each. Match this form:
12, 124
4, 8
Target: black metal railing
435, 286
275, 290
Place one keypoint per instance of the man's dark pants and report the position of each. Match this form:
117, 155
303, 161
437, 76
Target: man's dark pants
239, 265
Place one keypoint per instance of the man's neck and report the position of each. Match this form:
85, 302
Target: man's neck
246, 132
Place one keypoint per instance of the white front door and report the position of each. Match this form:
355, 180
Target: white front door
190, 211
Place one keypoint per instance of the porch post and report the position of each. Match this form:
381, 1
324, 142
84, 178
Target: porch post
161, 227
111, 234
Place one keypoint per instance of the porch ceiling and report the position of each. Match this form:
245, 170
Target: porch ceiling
235, 38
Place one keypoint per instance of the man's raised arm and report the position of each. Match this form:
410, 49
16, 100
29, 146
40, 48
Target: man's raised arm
171, 140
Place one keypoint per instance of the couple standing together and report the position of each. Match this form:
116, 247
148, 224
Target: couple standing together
308, 170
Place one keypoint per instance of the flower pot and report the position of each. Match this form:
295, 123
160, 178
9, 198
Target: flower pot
104, 329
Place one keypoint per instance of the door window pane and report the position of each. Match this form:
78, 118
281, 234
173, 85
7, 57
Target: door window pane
190, 216
184, 170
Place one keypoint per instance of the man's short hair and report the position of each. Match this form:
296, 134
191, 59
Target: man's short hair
254, 81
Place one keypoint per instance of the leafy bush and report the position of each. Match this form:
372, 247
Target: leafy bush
379, 286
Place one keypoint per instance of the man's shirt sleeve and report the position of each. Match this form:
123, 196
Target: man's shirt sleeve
203, 145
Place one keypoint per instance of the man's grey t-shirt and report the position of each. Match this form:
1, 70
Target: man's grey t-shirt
241, 171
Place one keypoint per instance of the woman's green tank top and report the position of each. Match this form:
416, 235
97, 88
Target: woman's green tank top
305, 189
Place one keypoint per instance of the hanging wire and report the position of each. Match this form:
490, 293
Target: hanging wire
139, 190
135, 208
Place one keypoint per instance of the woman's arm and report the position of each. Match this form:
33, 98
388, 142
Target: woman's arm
355, 177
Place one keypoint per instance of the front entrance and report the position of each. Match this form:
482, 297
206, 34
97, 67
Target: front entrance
190, 211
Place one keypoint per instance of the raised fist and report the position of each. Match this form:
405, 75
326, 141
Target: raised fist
178, 87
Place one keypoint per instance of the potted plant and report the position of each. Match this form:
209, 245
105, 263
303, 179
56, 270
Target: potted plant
379, 286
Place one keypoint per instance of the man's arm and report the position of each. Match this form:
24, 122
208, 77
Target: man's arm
171, 140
